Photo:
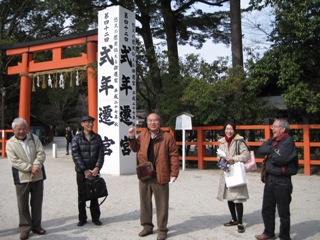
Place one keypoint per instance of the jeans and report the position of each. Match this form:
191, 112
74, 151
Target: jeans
277, 193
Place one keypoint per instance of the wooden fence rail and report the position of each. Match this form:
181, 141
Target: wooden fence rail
5, 135
202, 142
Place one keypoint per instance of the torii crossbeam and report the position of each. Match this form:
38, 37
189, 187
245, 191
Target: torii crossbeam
56, 45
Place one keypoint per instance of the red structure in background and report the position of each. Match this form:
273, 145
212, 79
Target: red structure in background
90, 39
307, 141
56, 45
307, 156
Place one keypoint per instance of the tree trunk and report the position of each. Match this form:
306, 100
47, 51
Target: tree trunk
171, 34
2, 86
152, 63
236, 33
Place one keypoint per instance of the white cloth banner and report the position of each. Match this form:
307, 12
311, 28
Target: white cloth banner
236, 175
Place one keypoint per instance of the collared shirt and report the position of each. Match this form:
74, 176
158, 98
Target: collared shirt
25, 147
155, 135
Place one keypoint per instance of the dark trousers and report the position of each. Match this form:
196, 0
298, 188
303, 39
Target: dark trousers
236, 210
277, 193
67, 146
148, 188
34, 190
94, 204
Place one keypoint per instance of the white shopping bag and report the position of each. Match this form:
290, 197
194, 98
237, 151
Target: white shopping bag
236, 175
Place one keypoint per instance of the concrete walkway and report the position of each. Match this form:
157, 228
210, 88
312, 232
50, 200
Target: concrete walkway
194, 211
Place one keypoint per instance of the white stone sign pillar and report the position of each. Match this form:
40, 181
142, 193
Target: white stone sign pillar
116, 87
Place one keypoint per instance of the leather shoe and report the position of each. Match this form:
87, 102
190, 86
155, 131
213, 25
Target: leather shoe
24, 236
162, 236
230, 223
97, 222
241, 228
39, 230
81, 223
264, 237
145, 232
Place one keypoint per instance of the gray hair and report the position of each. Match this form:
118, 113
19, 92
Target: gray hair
284, 124
18, 121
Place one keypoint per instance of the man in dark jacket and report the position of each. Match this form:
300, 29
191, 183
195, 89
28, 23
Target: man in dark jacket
88, 156
281, 164
69, 136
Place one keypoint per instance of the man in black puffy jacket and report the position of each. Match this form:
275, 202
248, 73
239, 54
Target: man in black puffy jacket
88, 156
281, 164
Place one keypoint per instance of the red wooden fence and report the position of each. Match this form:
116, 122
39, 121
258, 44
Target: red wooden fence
3, 141
201, 147
205, 141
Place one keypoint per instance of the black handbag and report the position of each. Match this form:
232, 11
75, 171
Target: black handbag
95, 188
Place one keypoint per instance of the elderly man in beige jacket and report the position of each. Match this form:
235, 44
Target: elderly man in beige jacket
26, 155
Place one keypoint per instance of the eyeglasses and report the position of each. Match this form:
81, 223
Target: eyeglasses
275, 126
153, 120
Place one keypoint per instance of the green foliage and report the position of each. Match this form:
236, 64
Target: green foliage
21, 21
25, 20
174, 22
195, 28
212, 93
291, 67
56, 106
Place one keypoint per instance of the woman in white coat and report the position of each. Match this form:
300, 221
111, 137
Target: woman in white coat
236, 151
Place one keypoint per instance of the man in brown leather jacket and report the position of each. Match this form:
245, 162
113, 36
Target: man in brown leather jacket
160, 148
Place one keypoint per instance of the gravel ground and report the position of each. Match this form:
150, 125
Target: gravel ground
194, 213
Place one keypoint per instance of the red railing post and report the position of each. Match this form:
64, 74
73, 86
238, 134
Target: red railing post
3, 142
306, 143
201, 147
4, 139
306, 150
267, 134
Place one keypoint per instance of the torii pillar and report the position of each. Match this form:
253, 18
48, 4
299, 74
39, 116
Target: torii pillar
92, 82
25, 89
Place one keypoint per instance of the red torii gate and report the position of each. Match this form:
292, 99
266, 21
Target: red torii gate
56, 45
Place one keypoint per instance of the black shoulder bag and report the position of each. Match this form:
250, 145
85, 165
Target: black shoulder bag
95, 188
